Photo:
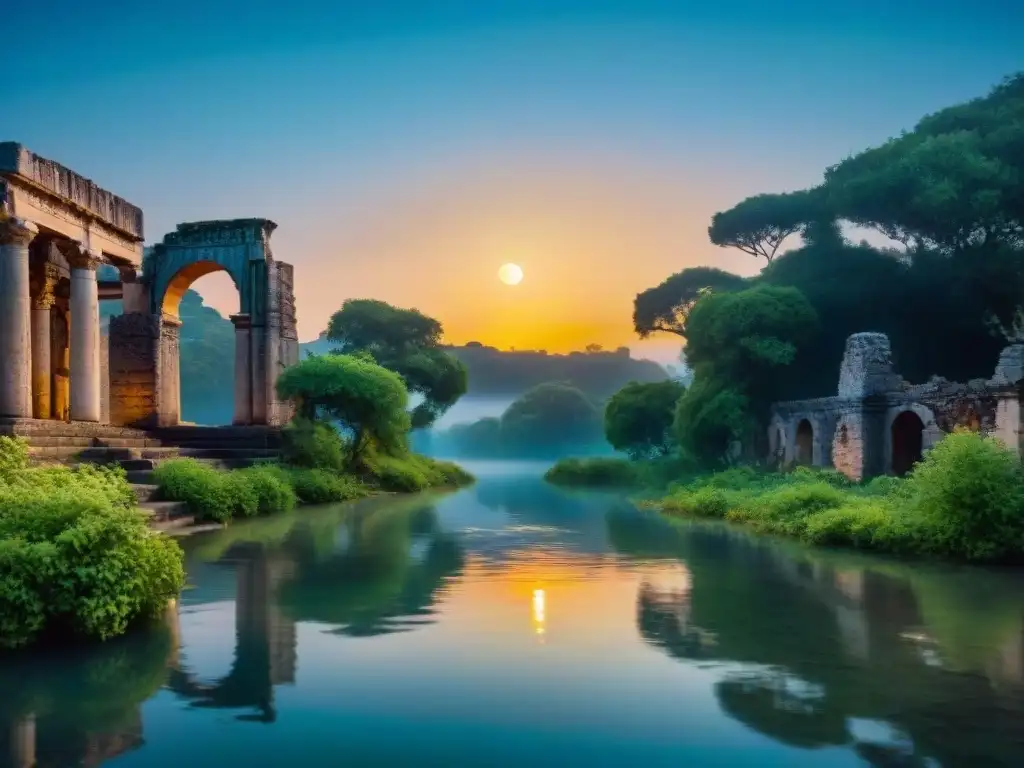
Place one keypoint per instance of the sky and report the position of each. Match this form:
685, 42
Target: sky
408, 148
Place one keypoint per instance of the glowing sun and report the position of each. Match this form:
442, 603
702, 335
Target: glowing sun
510, 274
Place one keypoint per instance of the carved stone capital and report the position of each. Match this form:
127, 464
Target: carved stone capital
242, 320
43, 295
16, 231
80, 257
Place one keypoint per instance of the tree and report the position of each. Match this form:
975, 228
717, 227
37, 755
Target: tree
593, 349
407, 342
745, 337
551, 418
367, 400
667, 306
760, 224
739, 345
638, 418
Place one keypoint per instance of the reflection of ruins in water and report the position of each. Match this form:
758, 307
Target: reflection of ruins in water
265, 642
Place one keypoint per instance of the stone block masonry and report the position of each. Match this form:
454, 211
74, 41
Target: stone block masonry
878, 424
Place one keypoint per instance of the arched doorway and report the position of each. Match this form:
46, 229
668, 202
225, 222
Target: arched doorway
804, 443
907, 442
146, 341
206, 356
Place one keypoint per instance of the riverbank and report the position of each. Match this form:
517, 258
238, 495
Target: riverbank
78, 560
219, 496
964, 501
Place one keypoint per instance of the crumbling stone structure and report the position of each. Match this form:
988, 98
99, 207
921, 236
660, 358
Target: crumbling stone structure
56, 229
878, 424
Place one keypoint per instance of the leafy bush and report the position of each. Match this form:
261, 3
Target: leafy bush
204, 489
412, 472
271, 486
595, 472
969, 494
75, 556
313, 444
319, 486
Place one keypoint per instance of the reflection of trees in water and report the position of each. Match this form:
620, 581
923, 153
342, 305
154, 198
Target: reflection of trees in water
82, 706
385, 576
812, 642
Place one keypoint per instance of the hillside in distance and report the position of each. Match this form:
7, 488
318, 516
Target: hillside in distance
508, 373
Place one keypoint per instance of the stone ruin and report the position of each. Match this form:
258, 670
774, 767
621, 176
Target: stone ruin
879, 424
56, 229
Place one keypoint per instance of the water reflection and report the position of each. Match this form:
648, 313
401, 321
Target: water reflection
813, 645
553, 628
62, 708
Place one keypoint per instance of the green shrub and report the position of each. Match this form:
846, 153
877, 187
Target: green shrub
856, 523
411, 472
312, 444
969, 494
595, 472
75, 556
319, 486
270, 485
702, 502
204, 489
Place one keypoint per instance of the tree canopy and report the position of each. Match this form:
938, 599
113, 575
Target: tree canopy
638, 418
407, 342
760, 224
550, 417
367, 400
667, 306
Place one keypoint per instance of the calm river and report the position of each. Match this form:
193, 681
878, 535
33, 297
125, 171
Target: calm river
515, 624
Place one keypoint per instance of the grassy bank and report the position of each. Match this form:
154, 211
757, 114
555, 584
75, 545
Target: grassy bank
964, 501
316, 469
77, 560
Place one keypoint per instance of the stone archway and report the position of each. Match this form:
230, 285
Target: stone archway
804, 443
144, 344
907, 442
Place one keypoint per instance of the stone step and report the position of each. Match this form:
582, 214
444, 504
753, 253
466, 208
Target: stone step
93, 442
140, 477
106, 455
161, 511
144, 492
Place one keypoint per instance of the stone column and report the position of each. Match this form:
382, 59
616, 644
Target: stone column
42, 369
15, 318
85, 338
243, 369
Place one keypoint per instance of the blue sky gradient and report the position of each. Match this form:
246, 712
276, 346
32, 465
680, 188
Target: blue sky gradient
385, 136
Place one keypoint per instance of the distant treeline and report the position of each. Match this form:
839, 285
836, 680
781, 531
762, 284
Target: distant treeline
207, 365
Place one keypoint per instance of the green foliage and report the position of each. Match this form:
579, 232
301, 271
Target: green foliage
759, 224
271, 485
321, 486
638, 418
598, 472
667, 306
366, 399
969, 493
75, 556
709, 418
204, 489
411, 473
407, 342
212, 494
312, 444
964, 501
549, 419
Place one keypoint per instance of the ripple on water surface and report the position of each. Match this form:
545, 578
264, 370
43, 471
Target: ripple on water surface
514, 623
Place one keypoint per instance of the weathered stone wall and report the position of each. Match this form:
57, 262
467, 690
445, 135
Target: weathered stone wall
854, 432
168, 380
132, 379
282, 338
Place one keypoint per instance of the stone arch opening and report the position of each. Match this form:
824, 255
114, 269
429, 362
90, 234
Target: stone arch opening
145, 367
804, 448
907, 442
207, 378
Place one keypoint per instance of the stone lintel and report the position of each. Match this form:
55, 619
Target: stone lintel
70, 188
222, 232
